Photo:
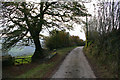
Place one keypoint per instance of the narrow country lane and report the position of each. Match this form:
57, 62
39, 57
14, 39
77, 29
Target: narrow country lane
75, 65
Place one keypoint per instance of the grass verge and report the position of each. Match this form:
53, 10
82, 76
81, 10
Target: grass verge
46, 69
100, 70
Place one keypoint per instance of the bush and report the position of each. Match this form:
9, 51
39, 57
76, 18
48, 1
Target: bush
106, 49
57, 39
7, 60
76, 41
60, 39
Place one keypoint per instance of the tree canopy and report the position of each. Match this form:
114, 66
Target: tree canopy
23, 18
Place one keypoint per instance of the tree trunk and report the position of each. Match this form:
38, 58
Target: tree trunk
86, 31
38, 54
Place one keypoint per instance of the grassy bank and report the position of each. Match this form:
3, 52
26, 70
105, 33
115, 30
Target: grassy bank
102, 69
47, 68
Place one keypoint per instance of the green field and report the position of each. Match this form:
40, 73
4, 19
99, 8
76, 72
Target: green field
22, 60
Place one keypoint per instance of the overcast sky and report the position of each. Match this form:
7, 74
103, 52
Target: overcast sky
78, 28
78, 31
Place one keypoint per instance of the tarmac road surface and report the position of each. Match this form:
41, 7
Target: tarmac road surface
75, 65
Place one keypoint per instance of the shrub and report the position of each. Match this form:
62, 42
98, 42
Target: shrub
57, 39
76, 41
106, 49
60, 39
7, 60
